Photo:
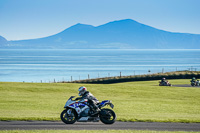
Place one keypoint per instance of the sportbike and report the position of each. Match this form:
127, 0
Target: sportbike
81, 111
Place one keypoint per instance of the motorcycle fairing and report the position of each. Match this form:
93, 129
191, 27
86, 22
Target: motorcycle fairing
106, 102
78, 106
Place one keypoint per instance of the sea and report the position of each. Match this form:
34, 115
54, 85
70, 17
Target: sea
57, 65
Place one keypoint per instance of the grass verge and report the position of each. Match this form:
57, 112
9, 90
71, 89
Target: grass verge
134, 101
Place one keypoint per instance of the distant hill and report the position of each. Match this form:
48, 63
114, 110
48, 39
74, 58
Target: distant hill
3, 41
126, 34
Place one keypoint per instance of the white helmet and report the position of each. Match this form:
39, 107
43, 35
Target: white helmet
82, 90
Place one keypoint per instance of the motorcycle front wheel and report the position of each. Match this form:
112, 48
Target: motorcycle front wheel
107, 116
68, 118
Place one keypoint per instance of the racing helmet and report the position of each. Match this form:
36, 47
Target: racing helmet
82, 90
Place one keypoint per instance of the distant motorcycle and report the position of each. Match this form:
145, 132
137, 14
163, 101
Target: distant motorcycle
80, 111
195, 83
166, 83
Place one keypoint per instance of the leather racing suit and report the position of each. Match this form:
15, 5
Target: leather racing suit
92, 100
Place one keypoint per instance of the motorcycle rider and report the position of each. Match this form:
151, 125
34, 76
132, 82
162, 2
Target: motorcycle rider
91, 99
163, 81
193, 80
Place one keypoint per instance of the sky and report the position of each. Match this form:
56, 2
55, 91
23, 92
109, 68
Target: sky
29, 19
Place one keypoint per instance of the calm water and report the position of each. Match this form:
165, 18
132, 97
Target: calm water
47, 65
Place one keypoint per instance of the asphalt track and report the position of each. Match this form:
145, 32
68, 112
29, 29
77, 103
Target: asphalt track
186, 85
58, 125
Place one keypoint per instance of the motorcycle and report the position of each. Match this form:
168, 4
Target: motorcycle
195, 83
81, 111
166, 83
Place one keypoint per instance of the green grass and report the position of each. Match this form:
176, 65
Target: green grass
91, 131
134, 101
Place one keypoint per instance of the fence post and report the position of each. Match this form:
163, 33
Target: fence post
149, 71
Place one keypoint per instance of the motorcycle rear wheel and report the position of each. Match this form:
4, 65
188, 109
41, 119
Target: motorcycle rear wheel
107, 116
66, 118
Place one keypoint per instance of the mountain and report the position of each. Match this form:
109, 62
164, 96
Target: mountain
126, 34
3, 41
